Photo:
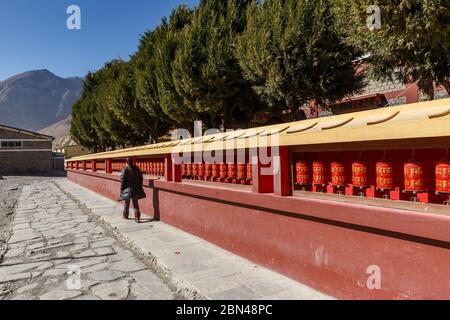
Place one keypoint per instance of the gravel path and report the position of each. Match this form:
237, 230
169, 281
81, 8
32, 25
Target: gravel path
55, 252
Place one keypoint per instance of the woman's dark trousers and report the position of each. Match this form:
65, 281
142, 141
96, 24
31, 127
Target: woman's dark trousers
135, 205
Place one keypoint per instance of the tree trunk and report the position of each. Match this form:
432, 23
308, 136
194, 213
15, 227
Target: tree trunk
426, 85
429, 93
446, 85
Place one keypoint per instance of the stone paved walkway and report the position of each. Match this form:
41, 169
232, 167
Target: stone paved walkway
194, 267
56, 252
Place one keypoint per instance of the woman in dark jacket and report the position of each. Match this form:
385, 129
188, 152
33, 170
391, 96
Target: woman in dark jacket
131, 189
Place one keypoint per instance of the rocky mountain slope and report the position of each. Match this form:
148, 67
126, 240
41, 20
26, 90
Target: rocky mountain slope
37, 99
61, 132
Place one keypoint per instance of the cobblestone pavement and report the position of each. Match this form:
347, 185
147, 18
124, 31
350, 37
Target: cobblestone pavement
56, 252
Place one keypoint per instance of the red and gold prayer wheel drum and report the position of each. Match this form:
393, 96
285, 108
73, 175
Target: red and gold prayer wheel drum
337, 174
359, 174
443, 177
303, 173
232, 171
414, 176
319, 173
161, 168
201, 169
385, 175
215, 170
189, 170
249, 171
152, 168
208, 170
241, 171
194, 169
223, 170
145, 167
183, 170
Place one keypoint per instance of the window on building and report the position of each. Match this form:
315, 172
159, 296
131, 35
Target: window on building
11, 144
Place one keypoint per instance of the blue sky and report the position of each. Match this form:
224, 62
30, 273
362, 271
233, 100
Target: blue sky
33, 33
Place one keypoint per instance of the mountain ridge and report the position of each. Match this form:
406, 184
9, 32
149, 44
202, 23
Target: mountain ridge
37, 99
61, 132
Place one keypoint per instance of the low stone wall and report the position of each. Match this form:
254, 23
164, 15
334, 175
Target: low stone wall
346, 250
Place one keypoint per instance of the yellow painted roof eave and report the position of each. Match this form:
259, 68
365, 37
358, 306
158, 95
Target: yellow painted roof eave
419, 120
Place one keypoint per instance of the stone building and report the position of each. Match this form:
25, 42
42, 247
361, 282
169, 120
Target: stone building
24, 152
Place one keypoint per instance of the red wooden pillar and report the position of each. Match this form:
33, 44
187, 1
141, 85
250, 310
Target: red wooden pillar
168, 172
262, 183
176, 171
282, 180
94, 166
108, 166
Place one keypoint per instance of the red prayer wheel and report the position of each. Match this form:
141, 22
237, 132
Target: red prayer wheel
189, 170
414, 176
183, 170
223, 170
215, 170
208, 170
385, 175
443, 177
201, 169
232, 171
249, 171
337, 174
359, 174
194, 169
303, 173
241, 171
319, 173
161, 168
152, 168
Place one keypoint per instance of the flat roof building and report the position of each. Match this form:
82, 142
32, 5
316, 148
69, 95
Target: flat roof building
24, 152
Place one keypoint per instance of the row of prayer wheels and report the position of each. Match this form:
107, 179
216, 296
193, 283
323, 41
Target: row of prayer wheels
152, 168
317, 173
219, 172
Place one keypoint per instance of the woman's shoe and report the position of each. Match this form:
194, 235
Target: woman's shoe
126, 215
137, 217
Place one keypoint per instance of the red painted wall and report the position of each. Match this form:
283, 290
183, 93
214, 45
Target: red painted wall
324, 244
108, 185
